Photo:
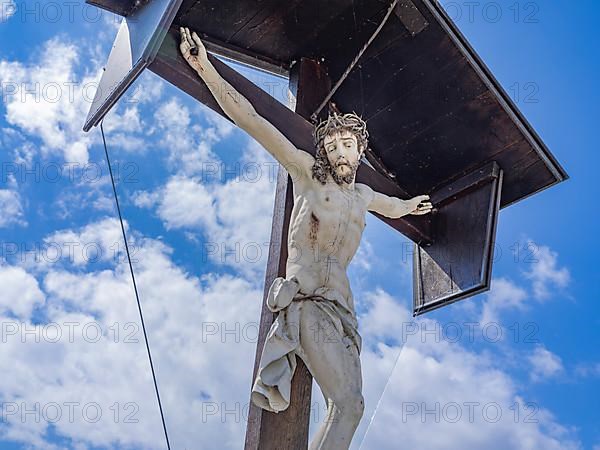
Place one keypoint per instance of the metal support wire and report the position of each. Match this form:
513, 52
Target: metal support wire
353, 63
137, 296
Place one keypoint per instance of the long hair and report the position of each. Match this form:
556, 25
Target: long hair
336, 123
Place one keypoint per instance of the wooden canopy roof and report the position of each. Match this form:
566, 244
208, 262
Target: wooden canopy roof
433, 109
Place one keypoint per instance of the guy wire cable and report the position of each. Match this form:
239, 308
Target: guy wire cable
137, 296
353, 63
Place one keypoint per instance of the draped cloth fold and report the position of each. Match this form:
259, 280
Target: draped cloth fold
272, 387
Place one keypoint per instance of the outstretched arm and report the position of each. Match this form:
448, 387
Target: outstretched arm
240, 110
394, 208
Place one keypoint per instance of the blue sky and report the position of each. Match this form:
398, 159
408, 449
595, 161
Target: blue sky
199, 219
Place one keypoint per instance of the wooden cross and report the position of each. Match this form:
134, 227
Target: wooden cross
439, 123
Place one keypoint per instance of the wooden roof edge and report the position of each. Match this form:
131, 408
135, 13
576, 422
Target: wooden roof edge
496, 88
118, 7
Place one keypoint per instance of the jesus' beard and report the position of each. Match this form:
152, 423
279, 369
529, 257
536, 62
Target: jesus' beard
345, 179
322, 169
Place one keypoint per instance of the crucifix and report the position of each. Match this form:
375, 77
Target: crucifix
326, 224
394, 114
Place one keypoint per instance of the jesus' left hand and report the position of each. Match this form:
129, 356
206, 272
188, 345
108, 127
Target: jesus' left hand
420, 205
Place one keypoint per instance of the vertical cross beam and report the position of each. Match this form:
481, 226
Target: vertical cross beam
288, 430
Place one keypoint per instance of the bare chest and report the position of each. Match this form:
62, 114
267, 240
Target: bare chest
337, 207
329, 218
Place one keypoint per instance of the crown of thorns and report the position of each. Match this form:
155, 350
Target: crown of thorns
340, 122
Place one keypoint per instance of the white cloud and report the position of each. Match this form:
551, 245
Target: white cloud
544, 364
147, 89
99, 241
85, 196
545, 274
189, 145
504, 295
7, 9
129, 120
49, 97
188, 152
20, 292
363, 260
145, 199
125, 128
11, 209
45, 98
220, 127
186, 203
588, 370
384, 318
235, 216
432, 383
201, 330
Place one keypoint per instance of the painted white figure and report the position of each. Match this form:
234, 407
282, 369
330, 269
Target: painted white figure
316, 319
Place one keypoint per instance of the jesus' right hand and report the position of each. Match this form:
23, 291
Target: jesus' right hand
192, 49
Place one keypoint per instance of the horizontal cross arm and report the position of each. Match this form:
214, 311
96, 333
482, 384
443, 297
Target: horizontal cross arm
170, 65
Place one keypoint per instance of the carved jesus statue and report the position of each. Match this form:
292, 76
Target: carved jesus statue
316, 319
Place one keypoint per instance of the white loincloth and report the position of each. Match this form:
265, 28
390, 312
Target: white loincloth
272, 387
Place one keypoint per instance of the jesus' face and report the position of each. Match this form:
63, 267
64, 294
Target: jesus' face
343, 153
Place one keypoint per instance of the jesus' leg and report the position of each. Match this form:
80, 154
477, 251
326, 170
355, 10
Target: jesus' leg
334, 362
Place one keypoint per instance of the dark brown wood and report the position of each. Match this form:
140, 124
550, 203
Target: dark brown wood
434, 110
120, 7
410, 17
170, 65
288, 429
307, 98
464, 185
260, 421
459, 262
